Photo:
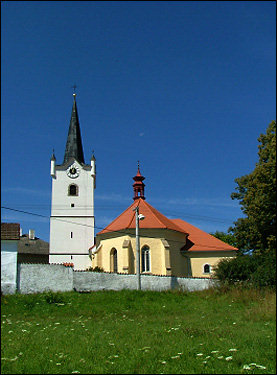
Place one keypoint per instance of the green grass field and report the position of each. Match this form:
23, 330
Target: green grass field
136, 332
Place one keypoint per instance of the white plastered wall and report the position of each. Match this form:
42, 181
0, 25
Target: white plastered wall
72, 228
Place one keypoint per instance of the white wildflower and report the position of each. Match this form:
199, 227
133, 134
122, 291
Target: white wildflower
246, 367
163, 362
199, 354
176, 356
9, 359
58, 364
229, 358
215, 351
232, 350
261, 367
220, 357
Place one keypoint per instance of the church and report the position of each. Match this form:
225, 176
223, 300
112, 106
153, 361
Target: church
170, 247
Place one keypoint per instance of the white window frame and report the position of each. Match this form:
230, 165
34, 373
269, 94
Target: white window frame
144, 249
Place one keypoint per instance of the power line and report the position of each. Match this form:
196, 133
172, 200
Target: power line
126, 232
106, 208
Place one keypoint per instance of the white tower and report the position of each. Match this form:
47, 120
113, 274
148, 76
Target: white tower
72, 206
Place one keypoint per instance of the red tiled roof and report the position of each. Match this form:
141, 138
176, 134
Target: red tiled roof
198, 240
10, 231
153, 219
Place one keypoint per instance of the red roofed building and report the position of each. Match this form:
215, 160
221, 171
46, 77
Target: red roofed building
167, 247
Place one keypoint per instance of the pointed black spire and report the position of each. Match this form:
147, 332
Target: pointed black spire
74, 148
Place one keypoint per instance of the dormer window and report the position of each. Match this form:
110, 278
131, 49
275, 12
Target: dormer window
73, 190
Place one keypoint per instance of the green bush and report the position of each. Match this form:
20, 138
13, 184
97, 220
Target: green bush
235, 269
256, 270
95, 269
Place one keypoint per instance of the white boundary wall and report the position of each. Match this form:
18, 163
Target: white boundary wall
38, 278
93, 281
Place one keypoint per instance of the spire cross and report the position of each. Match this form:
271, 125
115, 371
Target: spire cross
74, 88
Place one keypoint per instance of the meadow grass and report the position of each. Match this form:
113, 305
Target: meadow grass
139, 332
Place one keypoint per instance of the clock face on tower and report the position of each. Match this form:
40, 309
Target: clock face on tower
73, 171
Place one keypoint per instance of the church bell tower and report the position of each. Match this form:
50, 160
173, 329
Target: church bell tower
72, 205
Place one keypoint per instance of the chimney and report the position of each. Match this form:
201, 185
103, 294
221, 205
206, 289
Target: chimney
31, 234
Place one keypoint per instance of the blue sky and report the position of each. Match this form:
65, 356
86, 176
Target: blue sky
184, 87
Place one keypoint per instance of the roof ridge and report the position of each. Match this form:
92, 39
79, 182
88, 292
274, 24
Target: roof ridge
155, 212
202, 232
122, 213
166, 219
132, 216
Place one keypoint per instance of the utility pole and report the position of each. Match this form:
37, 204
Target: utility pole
138, 218
138, 248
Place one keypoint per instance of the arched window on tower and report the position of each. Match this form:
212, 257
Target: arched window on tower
73, 190
145, 259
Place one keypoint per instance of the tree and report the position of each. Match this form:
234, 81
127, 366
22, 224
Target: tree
225, 237
256, 193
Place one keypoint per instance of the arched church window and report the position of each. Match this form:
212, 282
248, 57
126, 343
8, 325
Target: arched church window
145, 259
73, 190
113, 260
207, 268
